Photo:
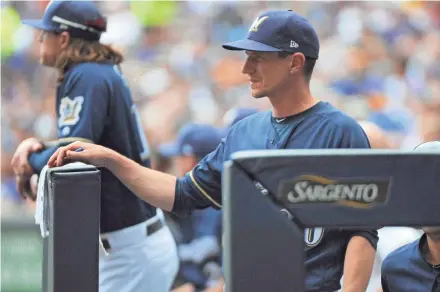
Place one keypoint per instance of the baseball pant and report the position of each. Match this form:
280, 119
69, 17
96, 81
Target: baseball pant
139, 262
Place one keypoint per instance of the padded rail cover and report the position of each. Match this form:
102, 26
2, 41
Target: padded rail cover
71, 251
264, 249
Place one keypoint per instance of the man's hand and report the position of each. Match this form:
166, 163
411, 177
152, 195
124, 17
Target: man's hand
89, 153
20, 162
34, 184
22, 169
24, 187
156, 188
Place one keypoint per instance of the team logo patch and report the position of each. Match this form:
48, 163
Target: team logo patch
70, 110
354, 193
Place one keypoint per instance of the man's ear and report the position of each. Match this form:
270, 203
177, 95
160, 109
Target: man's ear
297, 62
64, 39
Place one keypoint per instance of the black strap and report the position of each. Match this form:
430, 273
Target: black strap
151, 229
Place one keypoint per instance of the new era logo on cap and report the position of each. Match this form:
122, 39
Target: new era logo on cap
293, 44
278, 31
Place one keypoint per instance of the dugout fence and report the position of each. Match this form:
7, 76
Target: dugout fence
275, 201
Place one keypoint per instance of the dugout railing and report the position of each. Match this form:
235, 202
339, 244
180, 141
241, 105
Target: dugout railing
271, 197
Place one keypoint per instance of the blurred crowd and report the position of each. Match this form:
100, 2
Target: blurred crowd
379, 62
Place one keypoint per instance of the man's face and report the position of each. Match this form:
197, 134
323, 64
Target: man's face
50, 47
267, 72
432, 232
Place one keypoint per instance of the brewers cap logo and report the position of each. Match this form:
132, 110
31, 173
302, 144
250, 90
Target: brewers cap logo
355, 193
257, 23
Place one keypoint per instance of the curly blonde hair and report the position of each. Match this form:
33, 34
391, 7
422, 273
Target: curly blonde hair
81, 51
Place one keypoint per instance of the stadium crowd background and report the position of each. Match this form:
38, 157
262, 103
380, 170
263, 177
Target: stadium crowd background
379, 62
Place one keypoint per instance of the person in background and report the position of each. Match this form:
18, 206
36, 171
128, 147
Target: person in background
230, 118
378, 137
416, 265
94, 104
390, 238
198, 248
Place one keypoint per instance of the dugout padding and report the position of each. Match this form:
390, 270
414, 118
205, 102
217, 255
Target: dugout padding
264, 249
71, 251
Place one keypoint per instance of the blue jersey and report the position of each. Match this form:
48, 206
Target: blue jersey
406, 270
321, 126
94, 104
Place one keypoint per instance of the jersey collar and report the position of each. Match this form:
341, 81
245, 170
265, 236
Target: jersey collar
422, 248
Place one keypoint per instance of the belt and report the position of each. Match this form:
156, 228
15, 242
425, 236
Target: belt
150, 229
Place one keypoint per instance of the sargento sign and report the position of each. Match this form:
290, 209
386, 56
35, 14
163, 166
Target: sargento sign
357, 193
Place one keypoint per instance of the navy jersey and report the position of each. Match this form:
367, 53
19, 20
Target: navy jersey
406, 270
94, 104
321, 126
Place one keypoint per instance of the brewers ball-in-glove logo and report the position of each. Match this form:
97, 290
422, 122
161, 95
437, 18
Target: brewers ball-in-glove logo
356, 193
69, 110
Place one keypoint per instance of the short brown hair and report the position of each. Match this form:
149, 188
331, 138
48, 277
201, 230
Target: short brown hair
309, 64
81, 51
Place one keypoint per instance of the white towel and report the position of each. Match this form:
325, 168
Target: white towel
41, 210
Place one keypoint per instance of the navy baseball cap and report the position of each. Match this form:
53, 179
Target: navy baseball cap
81, 19
279, 31
193, 139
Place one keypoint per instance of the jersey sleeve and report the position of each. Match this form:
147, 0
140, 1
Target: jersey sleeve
384, 275
355, 138
82, 110
348, 135
39, 159
201, 187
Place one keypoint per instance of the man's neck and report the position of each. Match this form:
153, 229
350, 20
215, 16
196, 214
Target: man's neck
291, 102
433, 251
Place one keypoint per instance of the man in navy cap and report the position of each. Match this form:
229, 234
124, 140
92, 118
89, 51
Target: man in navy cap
198, 247
282, 49
94, 104
415, 266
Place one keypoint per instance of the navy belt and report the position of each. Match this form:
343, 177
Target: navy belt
151, 229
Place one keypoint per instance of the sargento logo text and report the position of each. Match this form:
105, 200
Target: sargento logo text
356, 193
